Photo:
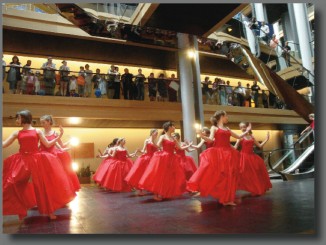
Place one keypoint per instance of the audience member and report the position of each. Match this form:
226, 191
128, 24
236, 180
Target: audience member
49, 76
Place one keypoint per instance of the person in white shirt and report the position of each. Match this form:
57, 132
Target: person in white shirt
240, 92
264, 32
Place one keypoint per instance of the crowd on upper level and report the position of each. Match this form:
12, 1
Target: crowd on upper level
50, 80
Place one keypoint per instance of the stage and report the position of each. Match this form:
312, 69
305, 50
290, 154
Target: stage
288, 208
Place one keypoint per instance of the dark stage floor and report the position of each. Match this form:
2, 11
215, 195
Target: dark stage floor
288, 208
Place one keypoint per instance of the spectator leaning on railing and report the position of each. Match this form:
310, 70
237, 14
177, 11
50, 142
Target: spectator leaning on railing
264, 32
255, 94
49, 76
240, 92
64, 78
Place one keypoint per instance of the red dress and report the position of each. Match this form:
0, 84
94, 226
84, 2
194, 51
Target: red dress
208, 144
140, 165
253, 176
65, 161
101, 170
118, 168
33, 178
187, 163
164, 175
218, 170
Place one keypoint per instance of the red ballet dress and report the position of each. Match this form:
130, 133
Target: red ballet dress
218, 170
187, 163
33, 178
164, 175
65, 161
253, 176
118, 168
101, 170
139, 166
209, 144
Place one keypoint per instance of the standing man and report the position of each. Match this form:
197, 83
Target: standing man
286, 53
140, 80
264, 32
255, 94
126, 80
49, 76
110, 82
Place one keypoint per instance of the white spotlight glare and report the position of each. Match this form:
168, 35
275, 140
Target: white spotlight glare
75, 166
191, 54
74, 141
74, 120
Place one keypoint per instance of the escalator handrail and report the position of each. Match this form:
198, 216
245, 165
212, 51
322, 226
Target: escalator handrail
301, 158
272, 151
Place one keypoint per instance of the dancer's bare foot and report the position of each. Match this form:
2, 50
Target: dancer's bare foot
157, 198
52, 217
193, 193
141, 193
229, 204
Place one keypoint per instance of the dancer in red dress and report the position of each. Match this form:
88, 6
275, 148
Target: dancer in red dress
187, 162
139, 166
31, 171
164, 175
59, 150
253, 176
206, 132
219, 165
104, 165
119, 166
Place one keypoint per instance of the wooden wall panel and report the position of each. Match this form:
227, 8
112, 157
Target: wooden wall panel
83, 150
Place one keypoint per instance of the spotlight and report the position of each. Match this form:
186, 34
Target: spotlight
74, 141
191, 54
74, 120
75, 166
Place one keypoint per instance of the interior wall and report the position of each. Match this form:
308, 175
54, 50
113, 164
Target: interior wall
101, 137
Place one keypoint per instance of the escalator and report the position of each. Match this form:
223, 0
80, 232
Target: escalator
275, 84
296, 162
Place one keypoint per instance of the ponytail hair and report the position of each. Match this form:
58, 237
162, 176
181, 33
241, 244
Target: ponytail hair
219, 114
167, 125
114, 142
213, 121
